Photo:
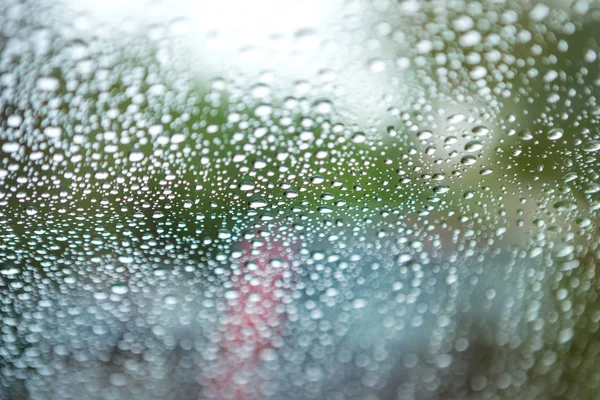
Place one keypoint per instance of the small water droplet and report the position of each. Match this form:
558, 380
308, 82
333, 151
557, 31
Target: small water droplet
136, 156
31, 210
257, 202
555, 133
424, 135
481, 130
359, 137
473, 146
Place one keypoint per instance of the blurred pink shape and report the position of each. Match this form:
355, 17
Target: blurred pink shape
254, 321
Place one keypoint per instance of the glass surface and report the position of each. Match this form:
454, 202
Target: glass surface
318, 199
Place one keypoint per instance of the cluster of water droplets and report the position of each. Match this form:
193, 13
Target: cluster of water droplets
227, 235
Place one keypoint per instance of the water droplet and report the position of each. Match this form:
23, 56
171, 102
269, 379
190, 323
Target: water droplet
359, 137
564, 250
10, 147
30, 210
377, 65
9, 271
53, 132
525, 135
223, 234
323, 107
468, 160
565, 205
591, 146
555, 133
424, 135
456, 118
136, 156
473, 146
257, 202
246, 186
119, 289
480, 130
440, 189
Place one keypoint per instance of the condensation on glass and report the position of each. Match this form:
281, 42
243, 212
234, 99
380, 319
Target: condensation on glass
299, 199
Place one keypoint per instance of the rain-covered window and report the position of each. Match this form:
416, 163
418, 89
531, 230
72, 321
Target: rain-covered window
299, 199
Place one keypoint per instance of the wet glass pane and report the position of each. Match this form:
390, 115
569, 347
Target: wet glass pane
294, 199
